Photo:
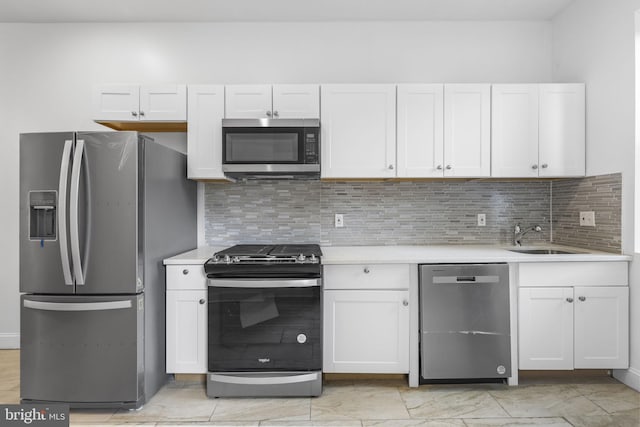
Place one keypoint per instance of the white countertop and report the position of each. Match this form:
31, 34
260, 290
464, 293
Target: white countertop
421, 254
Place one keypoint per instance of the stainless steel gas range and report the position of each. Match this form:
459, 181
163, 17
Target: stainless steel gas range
265, 322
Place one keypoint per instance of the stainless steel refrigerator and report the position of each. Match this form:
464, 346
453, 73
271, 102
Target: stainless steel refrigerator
99, 211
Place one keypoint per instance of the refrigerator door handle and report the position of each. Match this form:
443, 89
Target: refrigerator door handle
62, 212
74, 221
77, 306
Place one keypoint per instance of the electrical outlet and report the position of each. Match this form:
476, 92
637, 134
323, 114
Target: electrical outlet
339, 220
482, 220
588, 219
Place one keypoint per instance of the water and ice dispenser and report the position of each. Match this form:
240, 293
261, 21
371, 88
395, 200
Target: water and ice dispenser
42, 215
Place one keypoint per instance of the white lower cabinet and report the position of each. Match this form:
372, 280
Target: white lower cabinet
366, 331
573, 327
186, 332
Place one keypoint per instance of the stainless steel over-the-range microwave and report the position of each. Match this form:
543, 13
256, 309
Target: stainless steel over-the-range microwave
271, 148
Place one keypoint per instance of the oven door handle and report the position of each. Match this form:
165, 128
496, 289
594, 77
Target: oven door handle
261, 283
252, 380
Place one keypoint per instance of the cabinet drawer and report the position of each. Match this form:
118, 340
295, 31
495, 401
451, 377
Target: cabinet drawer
613, 273
186, 277
367, 276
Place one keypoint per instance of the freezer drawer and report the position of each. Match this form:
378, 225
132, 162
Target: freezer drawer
97, 339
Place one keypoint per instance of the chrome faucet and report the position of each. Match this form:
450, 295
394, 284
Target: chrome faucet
519, 233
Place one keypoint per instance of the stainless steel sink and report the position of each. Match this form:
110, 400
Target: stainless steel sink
543, 251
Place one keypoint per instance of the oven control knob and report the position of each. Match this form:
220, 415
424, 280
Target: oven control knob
313, 258
302, 338
301, 258
235, 259
227, 259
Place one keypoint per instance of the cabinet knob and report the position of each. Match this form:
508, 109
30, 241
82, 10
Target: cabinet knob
582, 298
268, 113
569, 299
391, 167
366, 270
534, 167
439, 167
405, 303
544, 166
449, 167
185, 271
202, 301
276, 114
134, 113
141, 113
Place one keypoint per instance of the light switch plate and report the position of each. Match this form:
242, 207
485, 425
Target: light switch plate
482, 220
588, 219
339, 221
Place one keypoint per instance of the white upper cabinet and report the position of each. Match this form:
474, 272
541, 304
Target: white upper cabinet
277, 101
204, 132
151, 103
358, 131
296, 101
562, 130
514, 126
420, 143
467, 133
538, 130
247, 101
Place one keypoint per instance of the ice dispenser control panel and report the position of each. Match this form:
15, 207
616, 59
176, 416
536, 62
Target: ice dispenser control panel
42, 215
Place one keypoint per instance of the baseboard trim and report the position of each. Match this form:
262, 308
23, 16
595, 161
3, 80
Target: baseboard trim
9, 340
630, 377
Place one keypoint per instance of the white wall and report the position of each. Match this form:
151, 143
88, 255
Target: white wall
593, 41
48, 71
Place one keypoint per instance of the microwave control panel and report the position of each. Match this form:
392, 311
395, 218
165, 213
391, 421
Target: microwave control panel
311, 146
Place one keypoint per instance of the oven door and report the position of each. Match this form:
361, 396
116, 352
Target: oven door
264, 325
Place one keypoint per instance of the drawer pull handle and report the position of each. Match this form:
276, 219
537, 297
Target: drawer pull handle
405, 303
185, 271
569, 299
582, 298
202, 301
366, 270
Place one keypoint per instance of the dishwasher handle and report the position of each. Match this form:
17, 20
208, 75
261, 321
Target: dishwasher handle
438, 280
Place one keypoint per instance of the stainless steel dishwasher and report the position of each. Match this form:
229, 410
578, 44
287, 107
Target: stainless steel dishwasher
464, 321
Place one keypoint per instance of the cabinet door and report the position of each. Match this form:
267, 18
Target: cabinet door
545, 328
420, 131
187, 332
116, 102
296, 101
601, 327
467, 134
358, 131
163, 103
562, 130
204, 132
248, 101
514, 131
366, 331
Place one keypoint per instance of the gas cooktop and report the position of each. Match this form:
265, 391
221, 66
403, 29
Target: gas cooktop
266, 261
240, 254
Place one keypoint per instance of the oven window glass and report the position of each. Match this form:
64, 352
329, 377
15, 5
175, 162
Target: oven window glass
264, 329
261, 147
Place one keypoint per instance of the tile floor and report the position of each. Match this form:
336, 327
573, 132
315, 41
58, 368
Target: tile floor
541, 400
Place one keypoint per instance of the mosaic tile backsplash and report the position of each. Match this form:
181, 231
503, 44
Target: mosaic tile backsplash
601, 194
414, 213
375, 213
